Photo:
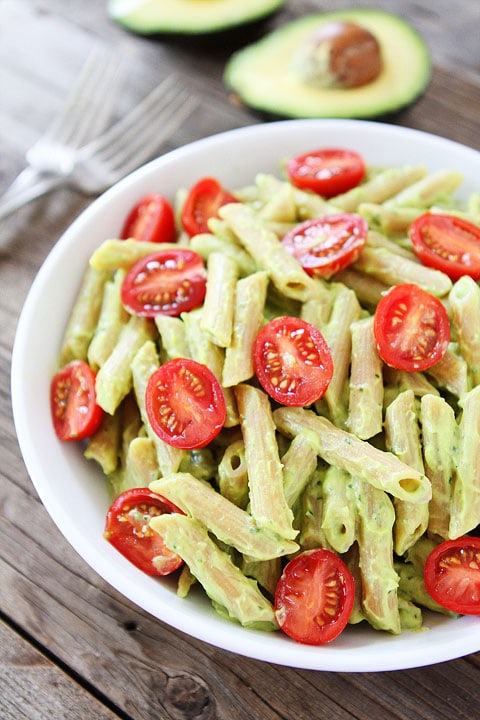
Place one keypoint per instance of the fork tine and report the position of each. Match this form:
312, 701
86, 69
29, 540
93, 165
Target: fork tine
137, 118
89, 105
145, 143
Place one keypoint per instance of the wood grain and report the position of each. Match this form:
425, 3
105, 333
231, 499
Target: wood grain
71, 646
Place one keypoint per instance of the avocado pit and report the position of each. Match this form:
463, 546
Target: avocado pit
340, 54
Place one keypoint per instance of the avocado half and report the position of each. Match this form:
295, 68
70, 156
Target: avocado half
264, 76
188, 17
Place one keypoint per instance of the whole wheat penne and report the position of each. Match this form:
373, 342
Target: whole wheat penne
284, 270
337, 447
84, 316
219, 303
465, 503
365, 405
226, 585
402, 438
226, 521
111, 321
380, 188
113, 254
465, 310
265, 478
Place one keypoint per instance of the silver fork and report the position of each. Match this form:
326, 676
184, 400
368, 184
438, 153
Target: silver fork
84, 116
122, 148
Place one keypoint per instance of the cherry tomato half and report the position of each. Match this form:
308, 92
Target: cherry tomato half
165, 283
328, 171
292, 361
411, 328
127, 529
185, 404
452, 575
447, 243
314, 597
203, 202
73, 404
326, 245
151, 220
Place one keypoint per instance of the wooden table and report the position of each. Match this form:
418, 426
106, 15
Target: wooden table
70, 646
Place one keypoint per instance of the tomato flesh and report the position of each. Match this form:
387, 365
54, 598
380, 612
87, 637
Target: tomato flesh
411, 328
202, 203
325, 245
127, 529
447, 243
452, 575
185, 404
73, 405
327, 171
151, 220
292, 361
168, 282
314, 597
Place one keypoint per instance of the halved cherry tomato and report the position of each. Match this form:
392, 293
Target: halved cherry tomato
314, 597
203, 202
447, 243
151, 220
185, 403
327, 244
327, 171
165, 283
411, 328
452, 575
73, 403
292, 361
127, 529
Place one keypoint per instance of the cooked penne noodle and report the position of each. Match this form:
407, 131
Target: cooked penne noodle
345, 311
339, 514
379, 188
218, 307
465, 310
299, 462
114, 378
104, 445
365, 406
226, 521
143, 364
284, 270
141, 463
337, 447
226, 585
451, 373
390, 220
439, 430
173, 337
207, 243
111, 321
114, 254
428, 190
233, 474
250, 298
402, 438
393, 269
84, 316
376, 517
265, 478
465, 504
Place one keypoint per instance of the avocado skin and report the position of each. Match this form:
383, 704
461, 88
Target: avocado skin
189, 17
261, 76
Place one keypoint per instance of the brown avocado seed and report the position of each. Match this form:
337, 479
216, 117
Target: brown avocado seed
340, 55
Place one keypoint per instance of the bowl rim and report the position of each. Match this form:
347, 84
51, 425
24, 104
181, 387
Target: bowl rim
349, 653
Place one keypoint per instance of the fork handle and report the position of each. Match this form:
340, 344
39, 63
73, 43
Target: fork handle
38, 186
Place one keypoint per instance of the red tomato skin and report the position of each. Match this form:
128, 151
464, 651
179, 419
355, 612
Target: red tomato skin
301, 597
327, 171
126, 528
389, 339
185, 404
452, 575
310, 378
74, 410
203, 202
447, 243
168, 282
151, 220
341, 239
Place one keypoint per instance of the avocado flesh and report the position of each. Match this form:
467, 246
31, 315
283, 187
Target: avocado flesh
265, 77
189, 17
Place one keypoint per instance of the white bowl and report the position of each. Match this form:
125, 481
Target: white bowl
72, 489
